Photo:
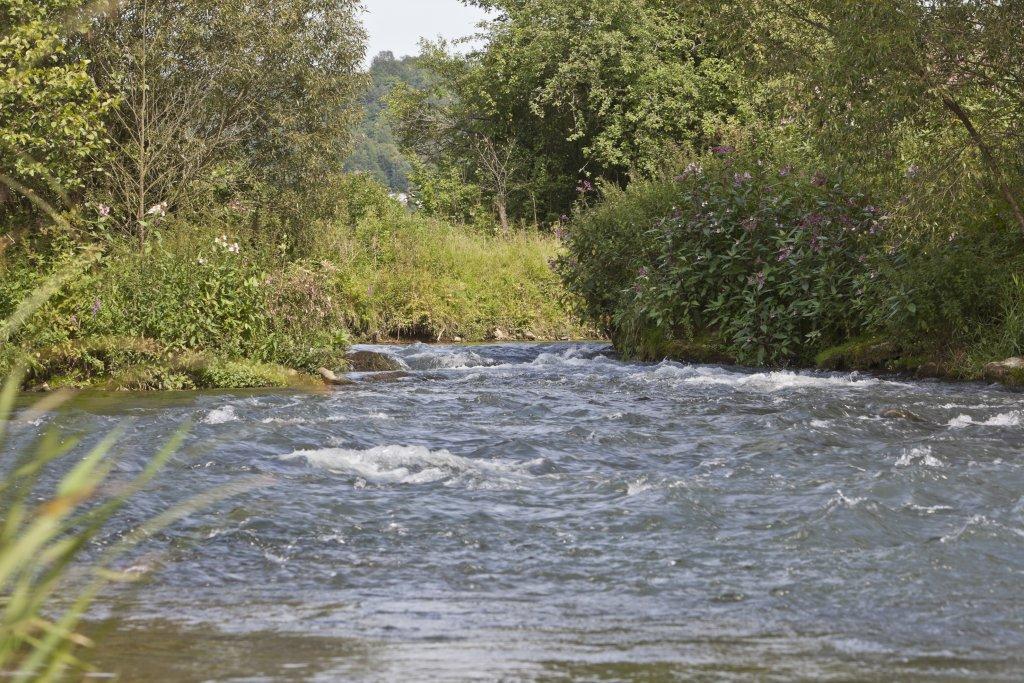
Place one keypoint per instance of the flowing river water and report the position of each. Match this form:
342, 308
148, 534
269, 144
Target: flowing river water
548, 512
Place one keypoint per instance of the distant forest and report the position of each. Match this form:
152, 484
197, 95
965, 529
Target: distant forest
375, 149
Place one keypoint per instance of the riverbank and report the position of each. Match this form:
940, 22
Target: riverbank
869, 355
236, 307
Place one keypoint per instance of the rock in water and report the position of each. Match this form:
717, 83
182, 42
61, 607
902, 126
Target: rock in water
498, 334
332, 378
372, 361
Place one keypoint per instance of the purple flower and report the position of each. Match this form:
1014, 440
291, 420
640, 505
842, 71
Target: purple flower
741, 179
812, 219
760, 279
749, 224
103, 210
819, 180
642, 272
97, 305
785, 253
723, 150
785, 171
561, 233
584, 187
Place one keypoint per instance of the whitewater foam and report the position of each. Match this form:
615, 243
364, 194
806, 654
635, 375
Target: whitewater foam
921, 455
411, 465
764, 382
1012, 419
222, 415
639, 486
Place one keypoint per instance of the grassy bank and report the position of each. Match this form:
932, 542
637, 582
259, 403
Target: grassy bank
223, 305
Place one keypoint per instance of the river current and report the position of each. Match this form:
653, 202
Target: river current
548, 512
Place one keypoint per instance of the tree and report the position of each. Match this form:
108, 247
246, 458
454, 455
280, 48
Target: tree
569, 92
376, 149
51, 111
901, 86
250, 98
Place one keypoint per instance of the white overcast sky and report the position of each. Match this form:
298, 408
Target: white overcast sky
398, 25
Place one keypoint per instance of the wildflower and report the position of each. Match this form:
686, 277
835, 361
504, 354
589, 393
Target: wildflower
237, 206
749, 224
812, 219
584, 187
561, 233
819, 179
760, 279
201, 261
234, 248
158, 210
692, 169
741, 179
784, 253
643, 272
913, 171
785, 171
103, 210
97, 305
723, 150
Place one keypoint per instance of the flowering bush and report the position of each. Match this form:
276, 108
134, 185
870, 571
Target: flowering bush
771, 262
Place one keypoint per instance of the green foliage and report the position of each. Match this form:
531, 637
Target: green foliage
562, 92
51, 111
240, 103
411, 276
772, 261
376, 149
234, 310
922, 99
956, 294
48, 527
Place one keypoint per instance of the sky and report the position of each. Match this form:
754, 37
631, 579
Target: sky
398, 25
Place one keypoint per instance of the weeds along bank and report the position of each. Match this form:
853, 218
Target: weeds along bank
750, 257
220, 307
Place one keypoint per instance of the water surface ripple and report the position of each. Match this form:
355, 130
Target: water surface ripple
549, 512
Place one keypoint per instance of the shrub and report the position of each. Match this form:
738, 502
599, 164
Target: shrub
771, 262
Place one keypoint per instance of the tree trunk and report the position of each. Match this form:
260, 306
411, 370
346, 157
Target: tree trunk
987, 158
502, 216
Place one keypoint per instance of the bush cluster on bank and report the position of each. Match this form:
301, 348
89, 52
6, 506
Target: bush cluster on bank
745, 257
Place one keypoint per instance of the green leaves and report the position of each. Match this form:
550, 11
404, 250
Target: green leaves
772, 263
51, 111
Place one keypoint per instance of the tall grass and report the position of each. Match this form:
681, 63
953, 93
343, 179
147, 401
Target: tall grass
45, 589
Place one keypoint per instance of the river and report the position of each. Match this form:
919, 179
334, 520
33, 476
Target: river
547, 512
